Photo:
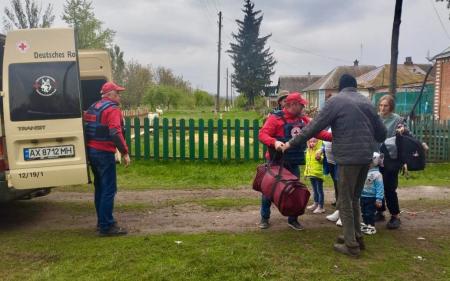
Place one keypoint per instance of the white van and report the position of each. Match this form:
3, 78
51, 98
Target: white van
41, 137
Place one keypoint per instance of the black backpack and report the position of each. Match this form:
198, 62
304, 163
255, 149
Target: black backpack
411, 152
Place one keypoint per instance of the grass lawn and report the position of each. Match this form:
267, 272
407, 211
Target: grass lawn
144, 175
207, 113
271, 255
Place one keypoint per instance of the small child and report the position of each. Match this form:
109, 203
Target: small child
314, 171
372, 195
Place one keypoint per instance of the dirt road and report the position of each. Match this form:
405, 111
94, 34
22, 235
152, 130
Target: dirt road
162, 211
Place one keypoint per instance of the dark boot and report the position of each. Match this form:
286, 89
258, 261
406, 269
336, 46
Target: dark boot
349, 251
362, 246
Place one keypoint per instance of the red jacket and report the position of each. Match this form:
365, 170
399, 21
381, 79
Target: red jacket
111, 117
274, 128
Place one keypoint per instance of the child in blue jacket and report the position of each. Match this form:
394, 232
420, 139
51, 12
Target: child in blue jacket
372, 195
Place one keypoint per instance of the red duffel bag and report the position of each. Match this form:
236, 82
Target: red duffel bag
282, 188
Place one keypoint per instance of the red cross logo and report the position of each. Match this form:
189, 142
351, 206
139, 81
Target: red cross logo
22, 46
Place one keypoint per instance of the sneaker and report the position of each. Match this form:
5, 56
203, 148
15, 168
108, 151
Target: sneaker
312, 207
264, 224
369, 230
113, 231
343, 249
363, 226
362, 246
393, 223
98, 226
339, 222
295, 225
334, 216
379, 216
319, 210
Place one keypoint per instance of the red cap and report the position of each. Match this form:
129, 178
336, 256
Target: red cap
296, 97
111, 86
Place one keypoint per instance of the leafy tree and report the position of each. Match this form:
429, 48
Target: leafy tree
30, 16
165, 76
202, 98
253, 63
138, 80
80, 15
169, 97
118, 64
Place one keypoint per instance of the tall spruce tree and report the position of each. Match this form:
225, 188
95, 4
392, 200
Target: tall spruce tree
252, 62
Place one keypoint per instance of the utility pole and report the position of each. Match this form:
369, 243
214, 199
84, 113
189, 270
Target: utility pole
231, 92
226, 99
219, 47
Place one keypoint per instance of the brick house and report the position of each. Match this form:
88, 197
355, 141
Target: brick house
442, 86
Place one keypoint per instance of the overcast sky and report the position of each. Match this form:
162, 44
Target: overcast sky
307, 35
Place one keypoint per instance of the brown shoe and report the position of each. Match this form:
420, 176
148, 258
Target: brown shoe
343, 249
362, 246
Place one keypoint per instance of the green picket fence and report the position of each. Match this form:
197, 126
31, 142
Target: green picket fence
436, 134
223, 140
218, 140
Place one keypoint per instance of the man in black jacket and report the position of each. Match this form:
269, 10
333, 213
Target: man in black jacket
356, 128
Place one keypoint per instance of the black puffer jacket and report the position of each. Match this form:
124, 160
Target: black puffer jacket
355, 125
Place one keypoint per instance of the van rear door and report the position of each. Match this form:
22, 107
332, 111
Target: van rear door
42, 109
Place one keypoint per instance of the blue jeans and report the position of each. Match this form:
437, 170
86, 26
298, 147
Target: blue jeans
317, 185
368, 209
266, 203
103, 165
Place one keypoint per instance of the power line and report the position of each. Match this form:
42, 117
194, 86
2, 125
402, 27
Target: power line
301, 50
440, 20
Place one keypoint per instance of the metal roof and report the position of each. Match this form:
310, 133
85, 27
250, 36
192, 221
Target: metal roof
331, 80
406, 74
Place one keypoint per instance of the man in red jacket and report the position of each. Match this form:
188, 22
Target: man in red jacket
279, 128
104, 133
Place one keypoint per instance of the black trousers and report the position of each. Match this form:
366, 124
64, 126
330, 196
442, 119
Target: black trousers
390, 182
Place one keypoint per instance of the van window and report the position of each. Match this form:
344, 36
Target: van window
90, 92
43, 91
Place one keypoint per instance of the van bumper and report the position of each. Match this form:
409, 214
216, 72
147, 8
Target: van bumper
8, 194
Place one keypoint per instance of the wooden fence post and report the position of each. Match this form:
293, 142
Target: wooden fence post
201, 139
137, 138
210, 139
156, 138
128, 132
174, 138
246, 140
237, 139
220, 140
165, 139
228, 139
255, 140
182, 139
146, 138
191, 139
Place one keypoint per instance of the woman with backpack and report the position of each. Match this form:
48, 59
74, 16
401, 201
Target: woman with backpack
394, 124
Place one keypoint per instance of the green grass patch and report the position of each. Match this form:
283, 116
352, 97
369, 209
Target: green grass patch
147, 175
271, 255
436, 174
209, 114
